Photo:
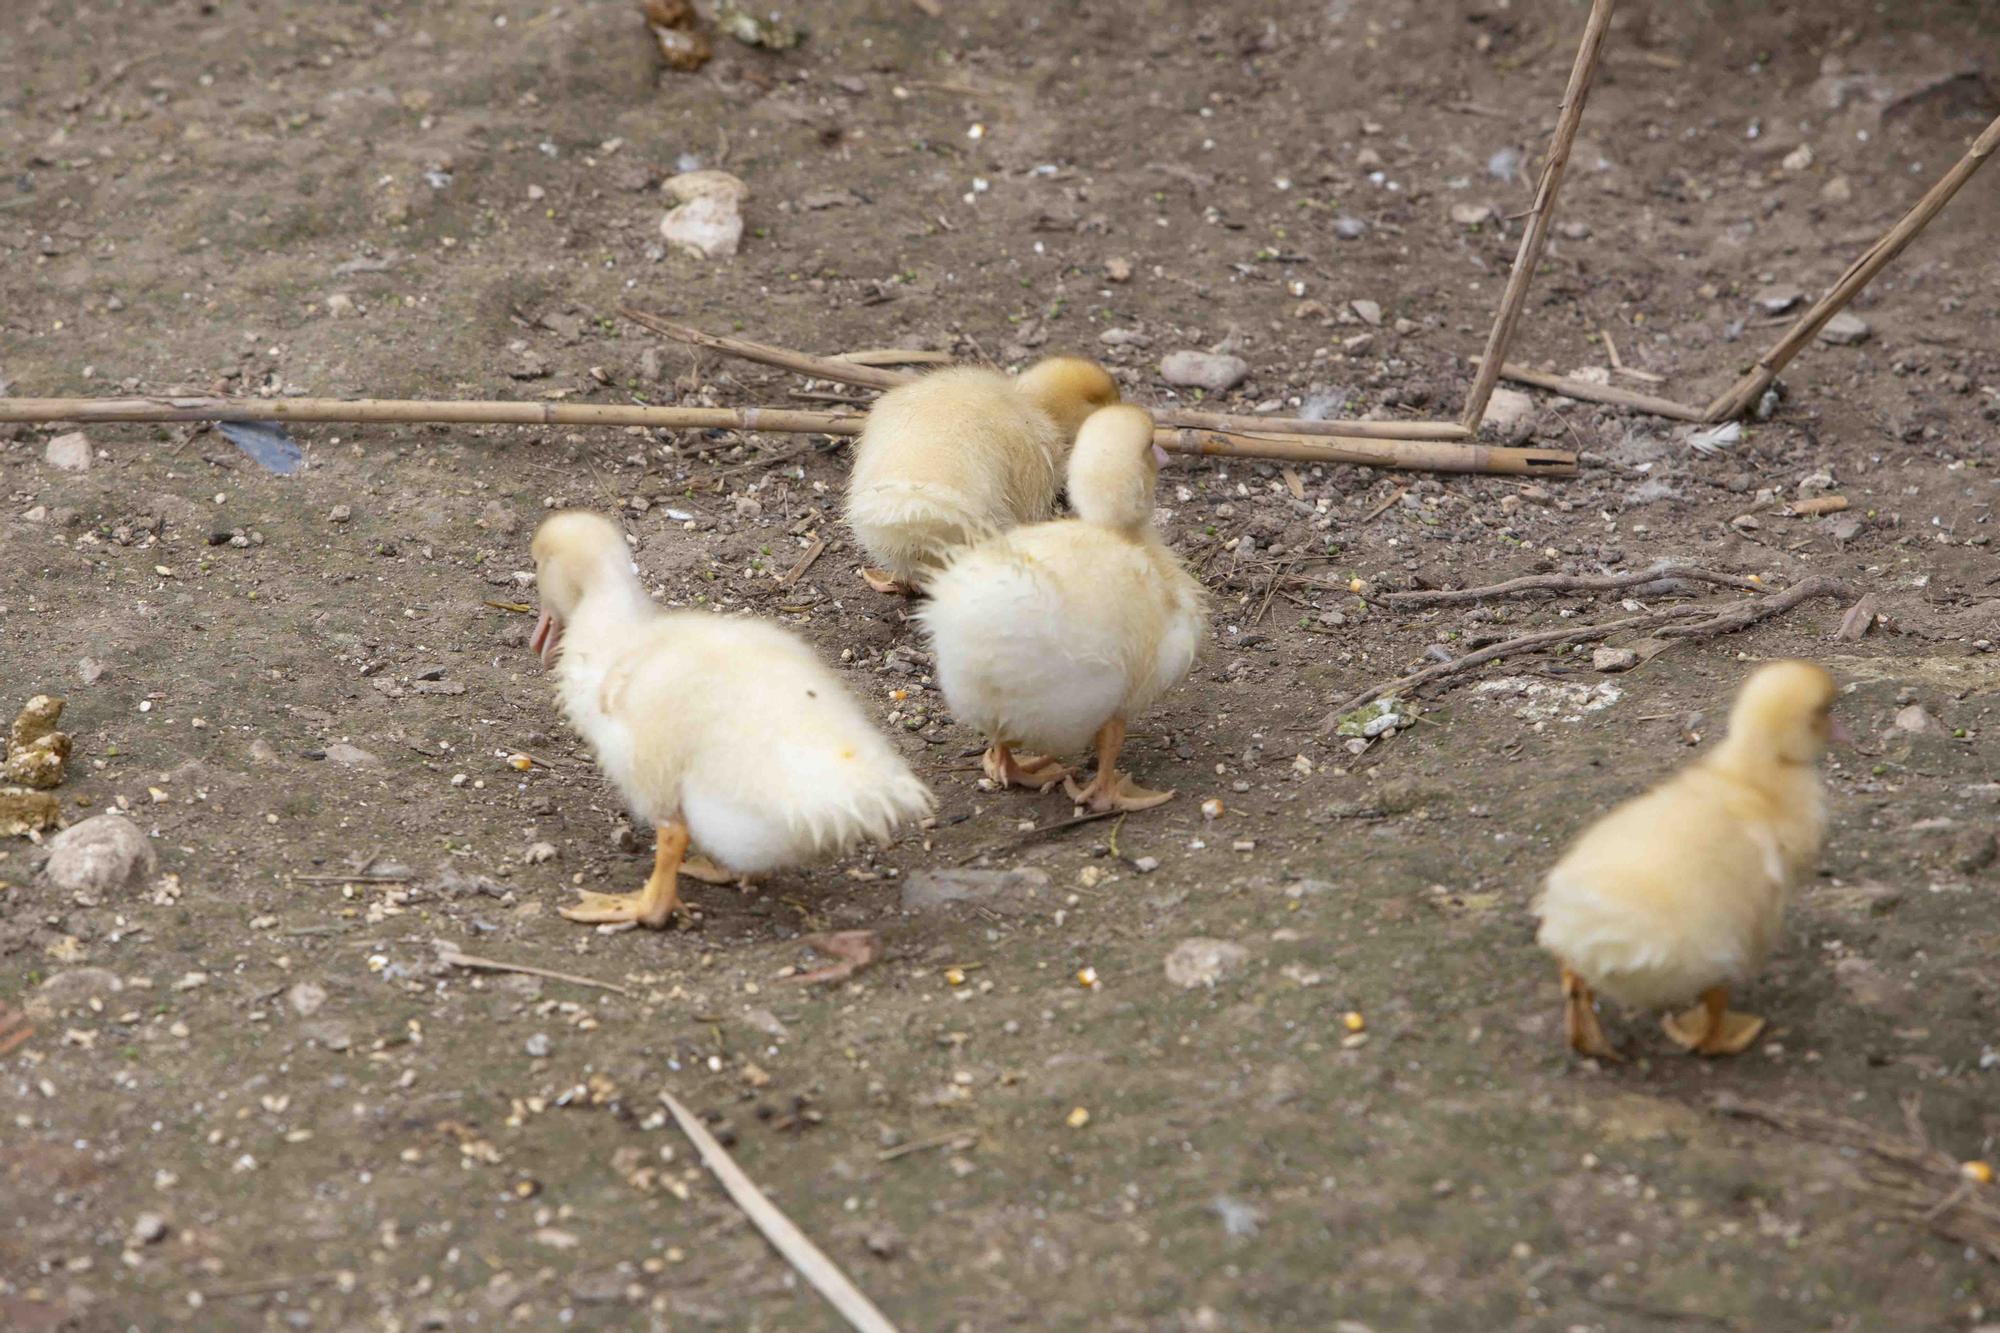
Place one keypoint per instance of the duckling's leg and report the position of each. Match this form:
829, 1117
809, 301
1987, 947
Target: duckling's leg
651, 906
1710, 1028
1110, 789
1580, 1020
1037, 772
882, 581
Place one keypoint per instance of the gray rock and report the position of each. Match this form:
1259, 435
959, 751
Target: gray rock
353, 756
708, 219
1613, 659
1918, 722
1845, 330
1212, 371
1777, 300
1369, 311
1203, 962
102, 853
306, 998
332, 1033
502, 520
148, 1228
1009, 892
539, 1045
1511, 414
69, 453
79, 984
1349, 228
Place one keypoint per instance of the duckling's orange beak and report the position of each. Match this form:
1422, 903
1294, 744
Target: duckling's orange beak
546, 638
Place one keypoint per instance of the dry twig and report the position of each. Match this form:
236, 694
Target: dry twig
449, 955
1540, 214
811, 1263
1735, 616
1928, 1186
1569, 583
1750, 388
1601, 393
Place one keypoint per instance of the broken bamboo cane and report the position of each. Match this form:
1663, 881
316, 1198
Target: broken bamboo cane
1601, 393
1540, 214
1416, 455
1750, 388
843, 371
176, 408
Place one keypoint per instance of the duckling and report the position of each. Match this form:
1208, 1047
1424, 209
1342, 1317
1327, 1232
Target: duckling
960, 454
1051, 636
729, 731
1679, 893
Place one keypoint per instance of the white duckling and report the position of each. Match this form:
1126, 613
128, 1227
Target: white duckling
960, 454
727, 729
1053, 635
1679, 894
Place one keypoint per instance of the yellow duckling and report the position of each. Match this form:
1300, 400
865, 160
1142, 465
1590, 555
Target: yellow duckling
960, 454
1051, 635
729, 730
1679, 894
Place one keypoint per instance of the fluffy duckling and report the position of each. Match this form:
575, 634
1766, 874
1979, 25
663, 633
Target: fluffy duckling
1678, 894
1054, 634
960, 454
728, 730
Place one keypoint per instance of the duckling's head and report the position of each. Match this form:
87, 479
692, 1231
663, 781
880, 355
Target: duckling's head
1784, 714
1069, 389
576, 553
1113, 468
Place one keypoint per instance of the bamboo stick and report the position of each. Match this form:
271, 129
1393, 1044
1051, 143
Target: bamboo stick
1358, 428
780, 420
1540, 214
1860, 273
845, 371
1600, 393
819, 367
1416, 455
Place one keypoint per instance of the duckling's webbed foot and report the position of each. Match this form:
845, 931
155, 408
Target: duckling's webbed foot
882, 581
1709, 1028
1580, 1025
1036, 772
1111, 789
709, 872
651, 906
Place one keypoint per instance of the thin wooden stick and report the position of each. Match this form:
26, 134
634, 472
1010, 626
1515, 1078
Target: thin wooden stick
848, 372
811, 1263
1735, 616
1418, 455
895, 356
805, 562
1600, 393
451, 957
819, 367
1561, 583
171, 408
1540, 214
1860, 273
1359, 427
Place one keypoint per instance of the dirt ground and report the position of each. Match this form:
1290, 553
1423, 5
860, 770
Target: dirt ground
256, 1099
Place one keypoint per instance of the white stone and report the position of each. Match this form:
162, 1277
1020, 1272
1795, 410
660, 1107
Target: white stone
69, 453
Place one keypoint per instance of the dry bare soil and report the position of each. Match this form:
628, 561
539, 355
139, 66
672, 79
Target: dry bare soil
332, 1130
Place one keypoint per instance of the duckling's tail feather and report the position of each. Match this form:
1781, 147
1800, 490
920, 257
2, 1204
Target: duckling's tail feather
912, 527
